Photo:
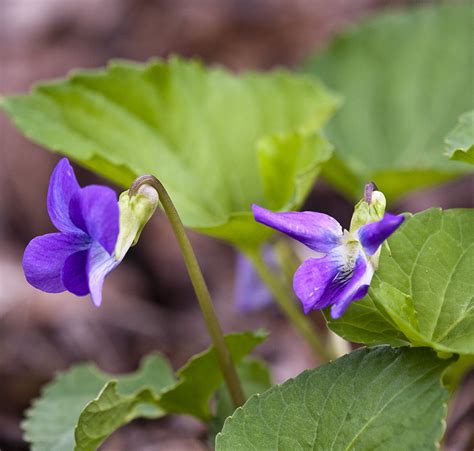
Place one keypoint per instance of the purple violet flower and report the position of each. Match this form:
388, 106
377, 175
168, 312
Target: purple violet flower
344, 273
81, 254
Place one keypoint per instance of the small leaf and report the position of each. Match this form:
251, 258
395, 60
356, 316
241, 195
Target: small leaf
106, 414
379, 398
460, 141
201, 377
218, 142
423, 293
51, 421
255, 378
120, 402
405, 76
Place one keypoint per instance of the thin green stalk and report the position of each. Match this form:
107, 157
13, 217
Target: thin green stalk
200, 287
285, 300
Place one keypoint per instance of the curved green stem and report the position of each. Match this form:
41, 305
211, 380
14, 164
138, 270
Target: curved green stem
200, 287
285, 300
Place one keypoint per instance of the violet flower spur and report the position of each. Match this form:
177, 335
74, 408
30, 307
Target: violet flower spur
95, 232
344, 273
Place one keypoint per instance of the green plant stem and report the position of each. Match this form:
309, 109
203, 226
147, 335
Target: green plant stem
200, 287
285, 300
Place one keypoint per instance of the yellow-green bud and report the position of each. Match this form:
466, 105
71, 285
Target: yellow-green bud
370, 209
135, 211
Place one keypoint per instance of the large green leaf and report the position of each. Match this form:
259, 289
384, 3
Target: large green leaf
218, 142
52, 419
406, 77
423, 293
460, 141
201, 377
371, 399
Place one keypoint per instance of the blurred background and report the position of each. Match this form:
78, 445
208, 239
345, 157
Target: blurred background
149, 303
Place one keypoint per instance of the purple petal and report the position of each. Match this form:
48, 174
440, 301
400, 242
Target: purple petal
62, 186
318, 231
320, 282
74, 273
250, 293
312, 278
372, 235
94, 209
356, 287
44, 259
99, 264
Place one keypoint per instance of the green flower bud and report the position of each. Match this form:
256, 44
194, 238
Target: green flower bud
370, 209
135, 211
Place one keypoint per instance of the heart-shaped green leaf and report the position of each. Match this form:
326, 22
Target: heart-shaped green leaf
406, 77
218, 142
460, 142
423, 292
52, 420
378, 398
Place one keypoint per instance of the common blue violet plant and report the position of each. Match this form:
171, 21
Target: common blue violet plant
343, 274
95, 232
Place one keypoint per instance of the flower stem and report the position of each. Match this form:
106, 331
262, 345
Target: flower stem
287, 304
200, 288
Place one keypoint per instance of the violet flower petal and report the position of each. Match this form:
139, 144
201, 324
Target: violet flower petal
312, 278
372, 235
318, 231
62, 186
44, 259
95, 210
343, 292
320, 282
99, 264
74, 273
